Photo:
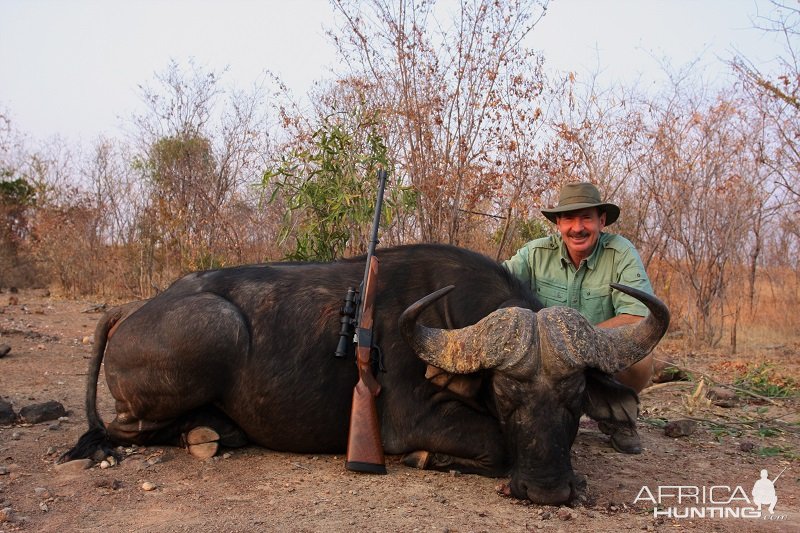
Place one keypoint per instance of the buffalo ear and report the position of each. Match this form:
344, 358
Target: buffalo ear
607, 400
465, 386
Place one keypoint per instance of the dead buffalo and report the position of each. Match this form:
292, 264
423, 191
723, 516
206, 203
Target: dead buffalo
248, 351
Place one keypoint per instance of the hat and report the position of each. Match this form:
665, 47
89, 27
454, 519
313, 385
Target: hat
575, 196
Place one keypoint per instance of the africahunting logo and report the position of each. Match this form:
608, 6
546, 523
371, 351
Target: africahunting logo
716, 501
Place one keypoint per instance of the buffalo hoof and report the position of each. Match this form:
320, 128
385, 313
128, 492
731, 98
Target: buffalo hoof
419, 459
202, 442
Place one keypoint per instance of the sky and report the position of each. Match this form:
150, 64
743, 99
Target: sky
72, 68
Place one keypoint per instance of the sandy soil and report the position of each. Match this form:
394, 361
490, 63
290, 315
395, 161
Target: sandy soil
254, 489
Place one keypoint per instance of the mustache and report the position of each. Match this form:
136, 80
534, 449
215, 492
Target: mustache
578, 234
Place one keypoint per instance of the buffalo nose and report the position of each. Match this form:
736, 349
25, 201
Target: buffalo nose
540, 495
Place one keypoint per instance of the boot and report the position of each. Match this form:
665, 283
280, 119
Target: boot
624, 437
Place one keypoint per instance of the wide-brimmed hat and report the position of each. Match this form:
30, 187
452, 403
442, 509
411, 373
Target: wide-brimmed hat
575, 196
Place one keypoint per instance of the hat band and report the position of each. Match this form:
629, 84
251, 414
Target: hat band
580, 199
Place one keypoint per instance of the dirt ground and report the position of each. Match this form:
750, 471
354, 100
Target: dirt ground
254, 489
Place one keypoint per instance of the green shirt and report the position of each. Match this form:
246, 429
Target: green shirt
545, 265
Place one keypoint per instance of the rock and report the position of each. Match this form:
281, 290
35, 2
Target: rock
4, 349
42, 412
665, 372
747, 446
114, 484
148, 486
6, 515
138, 464
722, 397
7, 414
71, 467
680, 428
564, 514
108, 462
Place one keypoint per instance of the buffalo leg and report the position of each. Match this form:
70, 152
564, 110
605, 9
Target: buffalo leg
453, 436
173, 432
230, 435
425, 460
167, 365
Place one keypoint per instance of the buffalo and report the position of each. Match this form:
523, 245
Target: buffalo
477, 378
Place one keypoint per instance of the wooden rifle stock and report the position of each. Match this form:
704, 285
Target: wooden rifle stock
364, 446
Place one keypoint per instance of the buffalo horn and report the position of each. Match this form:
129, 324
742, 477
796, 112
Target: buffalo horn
500, 340
633, 342
571, 339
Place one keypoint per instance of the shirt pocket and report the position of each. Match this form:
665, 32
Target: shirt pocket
596, 303
551, 293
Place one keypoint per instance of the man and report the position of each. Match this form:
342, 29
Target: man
575, 268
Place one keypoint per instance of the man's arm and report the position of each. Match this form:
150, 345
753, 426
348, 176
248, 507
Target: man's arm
630, 271
620, 320
638, 375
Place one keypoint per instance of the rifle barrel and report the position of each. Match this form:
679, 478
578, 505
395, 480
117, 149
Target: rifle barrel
376, 221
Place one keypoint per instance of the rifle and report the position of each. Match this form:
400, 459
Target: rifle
364, 447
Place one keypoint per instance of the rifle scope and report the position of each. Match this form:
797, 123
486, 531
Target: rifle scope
347, 313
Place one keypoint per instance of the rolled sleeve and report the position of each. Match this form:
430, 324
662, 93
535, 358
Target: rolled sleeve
632, 274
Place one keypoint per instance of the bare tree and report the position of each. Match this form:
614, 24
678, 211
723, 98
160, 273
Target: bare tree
777, 94
444, 92
775, 97
197, 154
17, 203
706, 188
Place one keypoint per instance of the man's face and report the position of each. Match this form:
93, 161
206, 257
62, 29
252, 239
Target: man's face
580, 230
